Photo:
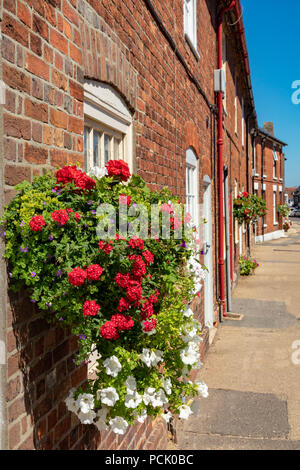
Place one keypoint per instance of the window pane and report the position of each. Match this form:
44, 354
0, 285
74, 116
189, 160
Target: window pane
106, 148
96, 148
117, 149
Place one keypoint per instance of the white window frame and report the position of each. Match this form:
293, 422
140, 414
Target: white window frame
275, 221
275, 159
243, 123
190, 23
106, 112
192, 186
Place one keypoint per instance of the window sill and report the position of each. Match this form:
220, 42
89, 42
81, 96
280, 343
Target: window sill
192, 47
264, 176
265, 226
275, 179
275, 224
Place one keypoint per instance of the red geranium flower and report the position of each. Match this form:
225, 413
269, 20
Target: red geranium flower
69, 174
77, 277
124, 305
122, 280
94, 272
148, 257
60, 216
118, 168
37, 223
123, 199
135, 242
122, 322
90, 308
109, 331
106, 247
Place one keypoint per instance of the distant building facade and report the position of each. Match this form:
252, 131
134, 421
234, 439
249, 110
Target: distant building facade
268, 181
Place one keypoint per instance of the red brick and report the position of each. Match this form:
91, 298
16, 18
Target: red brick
50, 14
62, 427
16, 409
37, 132
58, 41
15, 30
47, 135
17, 127
58, 118
13, 389
76, 90
75, 54
10, 149
68, 30
27, 444
37, 66
24, 14
40, 26
58, 158
41, 429
48, 54
15, 79
59, 80
70, 13
35, 155
36, 44
52, 419
36, 110
8, 49
9, 5
14, 435
75, 125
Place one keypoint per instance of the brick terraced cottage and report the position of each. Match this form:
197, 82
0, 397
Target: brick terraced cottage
88, 81
268, 181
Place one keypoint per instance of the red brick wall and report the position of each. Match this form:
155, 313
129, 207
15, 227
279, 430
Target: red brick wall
269, 181
48, 49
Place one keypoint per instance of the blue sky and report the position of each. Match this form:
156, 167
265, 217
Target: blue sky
272, 32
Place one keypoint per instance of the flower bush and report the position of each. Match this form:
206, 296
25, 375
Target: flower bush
287, 224
248, 208
284, 210
125, 298
247, 265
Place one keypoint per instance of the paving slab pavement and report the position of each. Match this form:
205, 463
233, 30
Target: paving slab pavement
254, 384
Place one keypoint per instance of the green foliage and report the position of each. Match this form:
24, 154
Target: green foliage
247, 265
42, 260
284, 210
248, 208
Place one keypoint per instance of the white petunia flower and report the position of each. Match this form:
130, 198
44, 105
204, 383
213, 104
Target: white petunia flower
159, 399
112, 366
118, 425
156, 357
151, 358
197, 365
195, 408
184, 412
85, 402
133, 400
141, 418
87, 418
71, 402
189, 334
101, 421
167, 416
130, 384
188, 313
202, 389
145, 357
167, 384
190, 355
148, 395
109, 396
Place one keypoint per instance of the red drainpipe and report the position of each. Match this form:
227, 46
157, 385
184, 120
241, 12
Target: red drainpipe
220, 143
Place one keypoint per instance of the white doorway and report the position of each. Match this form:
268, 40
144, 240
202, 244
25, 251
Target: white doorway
208, 255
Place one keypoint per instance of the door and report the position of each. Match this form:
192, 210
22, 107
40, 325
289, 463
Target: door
208, 257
